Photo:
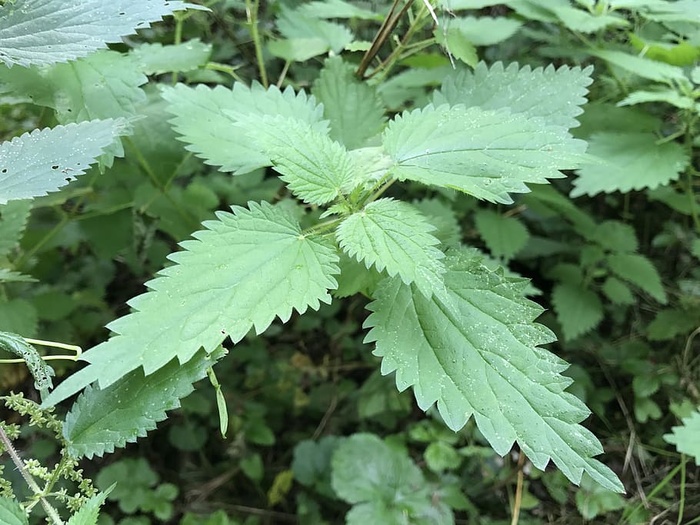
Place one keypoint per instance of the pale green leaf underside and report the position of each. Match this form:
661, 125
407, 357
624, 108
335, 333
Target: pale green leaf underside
45, 160
247, 268
553, 94
315, 167
630, 161
393, 235
578, 309
101, 420
156, 58
685, 437
206, 118
12, 513
13, 220
44, 32
486, 154
475, 351
484, 30
353, 108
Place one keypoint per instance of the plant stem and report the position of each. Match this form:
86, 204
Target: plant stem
518, 490
251, 9
50, 511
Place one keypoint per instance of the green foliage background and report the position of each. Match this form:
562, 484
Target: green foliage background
367, 180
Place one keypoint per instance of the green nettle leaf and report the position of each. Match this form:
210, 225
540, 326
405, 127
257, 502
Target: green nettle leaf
578, 309
156, 59
685, 437
247, 268
554, 94
101, 420
338, 9
45, 160
12, 513
456, 44
639, 271
474, 350
88, 513
13, 221
486, 154
616, 236
206, 119
640, 66
504, 236
392, 235
383, 483
617, 291
44, 32
485, 30
9, 276
295, 24
630, 161
315, 167
353, 108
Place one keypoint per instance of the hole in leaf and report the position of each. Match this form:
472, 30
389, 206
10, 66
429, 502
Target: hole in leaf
54, 167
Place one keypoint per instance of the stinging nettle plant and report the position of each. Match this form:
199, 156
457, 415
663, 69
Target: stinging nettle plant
463, 336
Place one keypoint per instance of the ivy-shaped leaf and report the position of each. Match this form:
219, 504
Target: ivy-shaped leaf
392, 235
43, 161
315, 167
101, 420
554, 94
247, 268
44, 32
205, 119
475, 351
486, 154
629, 161
353, 108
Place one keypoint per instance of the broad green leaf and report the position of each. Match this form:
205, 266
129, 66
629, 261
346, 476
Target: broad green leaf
44, 32
156, 59
295, 23
672, 322
9, 276
629, 161
205, 118
45, 160
486, 154
639, 271
338, 9
101, 420
669, 96
297, 49
685, 436
484, 30
443, 217
18, 316
593, 500
90, 510
616, 236
504, 236
353, 108
578, 309
641, 66
382, 482
392, 235
12, 513
355, 278
316, 168
475, 351
246, 269
609, 117
584, 22
617, 291
456, 44
13, 220
554, 94
312, 463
